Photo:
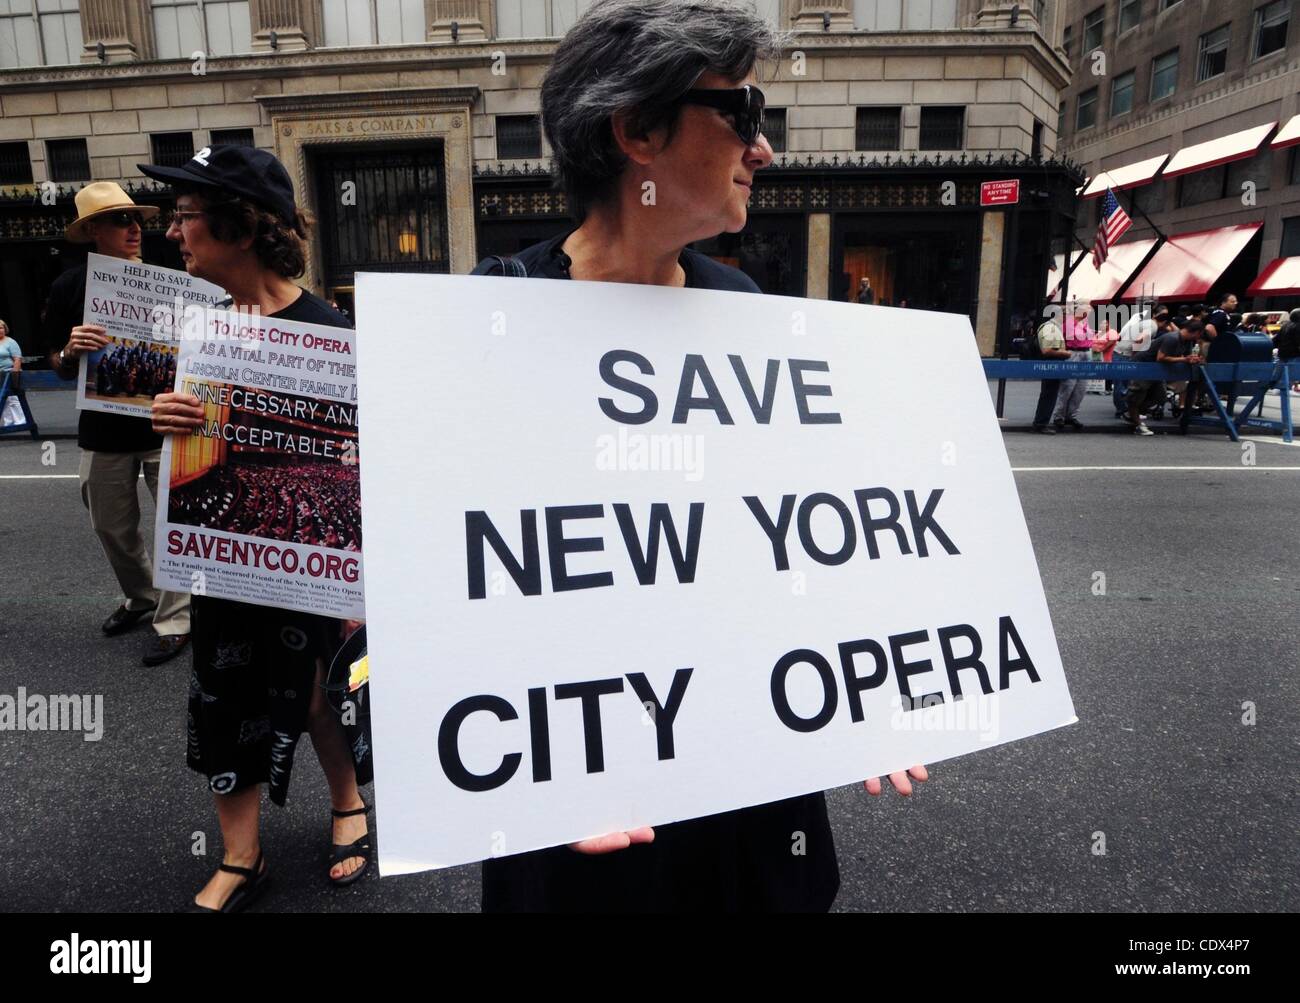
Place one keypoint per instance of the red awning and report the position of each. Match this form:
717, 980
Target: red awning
1280, 278
1288, 135
1128, 176
1187, 265
1089, 285
1214, 152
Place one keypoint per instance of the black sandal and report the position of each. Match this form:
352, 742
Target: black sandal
357, 848
256, 878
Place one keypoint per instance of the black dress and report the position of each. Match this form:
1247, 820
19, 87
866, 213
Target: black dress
254, 669
777, 857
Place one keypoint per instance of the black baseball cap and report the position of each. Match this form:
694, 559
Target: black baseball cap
237, 170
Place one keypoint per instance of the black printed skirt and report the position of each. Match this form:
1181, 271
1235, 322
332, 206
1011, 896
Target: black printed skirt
251, 687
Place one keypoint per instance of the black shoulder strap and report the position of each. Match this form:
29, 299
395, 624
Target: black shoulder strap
511, 267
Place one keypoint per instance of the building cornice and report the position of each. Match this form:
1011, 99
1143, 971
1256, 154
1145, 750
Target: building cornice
424, 56
305, 63
370, 100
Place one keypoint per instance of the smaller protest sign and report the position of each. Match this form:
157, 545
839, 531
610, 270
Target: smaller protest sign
262, 503
144, 309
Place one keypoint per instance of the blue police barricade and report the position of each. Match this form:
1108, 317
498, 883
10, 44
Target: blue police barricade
11, 389
1262, 376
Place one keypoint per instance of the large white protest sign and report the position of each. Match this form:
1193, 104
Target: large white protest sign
636, 555
144, 309
261, 504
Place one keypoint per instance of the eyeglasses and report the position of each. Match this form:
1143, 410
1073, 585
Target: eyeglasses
177, 217
124, 219
745, 105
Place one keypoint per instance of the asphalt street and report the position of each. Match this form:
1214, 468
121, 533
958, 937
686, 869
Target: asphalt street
1201, 554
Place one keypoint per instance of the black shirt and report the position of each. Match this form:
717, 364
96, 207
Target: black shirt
738, 861
1221, 321
1171, 343
96, 430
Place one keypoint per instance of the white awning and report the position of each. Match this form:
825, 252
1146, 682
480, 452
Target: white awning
1214, 152
1128, 176
1289, 134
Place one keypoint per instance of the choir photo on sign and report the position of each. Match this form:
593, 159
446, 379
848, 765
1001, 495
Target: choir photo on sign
131, 372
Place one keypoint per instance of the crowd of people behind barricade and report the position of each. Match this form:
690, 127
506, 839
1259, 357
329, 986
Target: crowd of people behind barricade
1151, 334
134, 370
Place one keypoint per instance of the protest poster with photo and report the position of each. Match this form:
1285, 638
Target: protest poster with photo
637, 555
262, 503
143, 308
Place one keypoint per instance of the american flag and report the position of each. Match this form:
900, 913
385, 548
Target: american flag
1114, 224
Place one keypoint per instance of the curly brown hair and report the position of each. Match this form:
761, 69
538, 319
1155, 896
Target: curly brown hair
281, 247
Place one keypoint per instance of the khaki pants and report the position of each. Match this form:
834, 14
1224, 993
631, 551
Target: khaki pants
110, 493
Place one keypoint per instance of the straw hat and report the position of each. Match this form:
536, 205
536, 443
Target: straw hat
98, 199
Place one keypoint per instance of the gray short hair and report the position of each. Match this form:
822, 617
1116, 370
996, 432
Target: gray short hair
640, 57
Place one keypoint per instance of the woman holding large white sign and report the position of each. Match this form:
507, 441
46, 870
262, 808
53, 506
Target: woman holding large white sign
655, 117
258, 670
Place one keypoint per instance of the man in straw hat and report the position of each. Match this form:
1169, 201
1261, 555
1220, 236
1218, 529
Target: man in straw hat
114, 447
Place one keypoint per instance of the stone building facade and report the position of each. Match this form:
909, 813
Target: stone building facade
429, 109
1155, 77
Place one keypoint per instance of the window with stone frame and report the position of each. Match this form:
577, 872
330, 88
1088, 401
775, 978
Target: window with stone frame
1212, 54
212, 27
1121, 93
1085, 116
1290, 238
39, 33
1202, 186
774, 122
519, 137
1256, 171
1271, 23
372, 22
879, 127
1094, 29
232, 137
1164, 74
15, 164
942, 127
1150, 197
171, 149
1130, 14
550, 18
67, 160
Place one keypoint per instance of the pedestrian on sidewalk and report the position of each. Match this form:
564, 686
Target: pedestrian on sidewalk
11, 361
1078, 340
1046, 343
115, 448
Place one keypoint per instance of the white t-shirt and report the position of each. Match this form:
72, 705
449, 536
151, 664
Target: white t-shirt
1136, 335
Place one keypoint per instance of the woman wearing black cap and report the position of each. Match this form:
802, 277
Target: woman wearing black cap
257, 670
660, 97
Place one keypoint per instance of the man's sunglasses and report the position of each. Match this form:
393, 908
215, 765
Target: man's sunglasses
745, 105
124, 219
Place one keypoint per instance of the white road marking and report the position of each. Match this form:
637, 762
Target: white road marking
38, 477
1240, 466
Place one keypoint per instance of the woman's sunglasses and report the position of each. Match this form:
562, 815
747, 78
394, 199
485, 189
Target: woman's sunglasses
745, 105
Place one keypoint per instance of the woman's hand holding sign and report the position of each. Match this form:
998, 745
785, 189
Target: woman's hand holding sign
900, 781
175, 413
614, 841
